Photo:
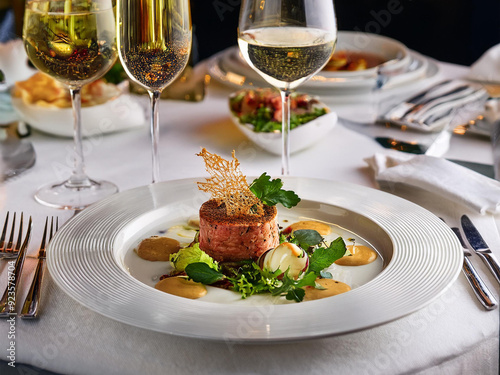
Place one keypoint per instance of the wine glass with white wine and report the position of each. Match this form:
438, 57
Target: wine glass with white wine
154, 43
287, 42
74, 42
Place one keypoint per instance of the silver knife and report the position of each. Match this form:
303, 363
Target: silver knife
480, 289
480, 247
415, 99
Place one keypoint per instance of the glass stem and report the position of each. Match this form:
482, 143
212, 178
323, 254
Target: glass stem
285, 132
155, 134
78, 178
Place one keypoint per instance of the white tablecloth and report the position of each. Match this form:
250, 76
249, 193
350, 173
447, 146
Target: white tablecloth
452, 335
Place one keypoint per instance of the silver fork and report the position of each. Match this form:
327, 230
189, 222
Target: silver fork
8, 300
32, 301
7, 248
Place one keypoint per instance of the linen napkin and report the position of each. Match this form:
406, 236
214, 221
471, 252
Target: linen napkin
487, 67
438, 176
14, 62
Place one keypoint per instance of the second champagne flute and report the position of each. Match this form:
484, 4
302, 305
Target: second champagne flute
154, 43
287, 42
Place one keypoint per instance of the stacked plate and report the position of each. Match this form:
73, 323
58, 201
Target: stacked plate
402, 66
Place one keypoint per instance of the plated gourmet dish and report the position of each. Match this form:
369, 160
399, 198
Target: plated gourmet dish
237, 244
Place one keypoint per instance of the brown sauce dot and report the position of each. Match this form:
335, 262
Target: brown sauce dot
332, 288
182, 287
361, 255
157, 248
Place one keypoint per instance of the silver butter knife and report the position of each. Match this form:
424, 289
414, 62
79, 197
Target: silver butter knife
480, 289
480, 247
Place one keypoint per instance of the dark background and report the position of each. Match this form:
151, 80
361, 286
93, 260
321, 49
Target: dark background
457, 31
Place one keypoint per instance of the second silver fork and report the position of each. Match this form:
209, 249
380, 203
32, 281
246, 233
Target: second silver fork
30, 307
8, 300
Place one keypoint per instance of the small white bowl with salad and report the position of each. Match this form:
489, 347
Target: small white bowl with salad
257, 113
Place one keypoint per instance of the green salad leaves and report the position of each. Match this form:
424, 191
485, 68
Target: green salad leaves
247, 278
263, 121
190, 255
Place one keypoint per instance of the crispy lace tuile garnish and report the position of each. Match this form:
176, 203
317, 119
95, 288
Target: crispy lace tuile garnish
229, 186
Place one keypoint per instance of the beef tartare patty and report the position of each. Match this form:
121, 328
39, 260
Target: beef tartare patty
229, 239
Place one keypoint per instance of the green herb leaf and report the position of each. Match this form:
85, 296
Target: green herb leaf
270, 192
296, 294
306, 238
324, 257
203, 273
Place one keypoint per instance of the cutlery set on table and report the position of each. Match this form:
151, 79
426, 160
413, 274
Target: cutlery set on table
482, 250
424, 122
15, 255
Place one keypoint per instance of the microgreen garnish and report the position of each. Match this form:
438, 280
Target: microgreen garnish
270, 192
251, 279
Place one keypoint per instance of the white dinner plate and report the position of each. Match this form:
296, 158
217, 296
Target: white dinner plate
87, 258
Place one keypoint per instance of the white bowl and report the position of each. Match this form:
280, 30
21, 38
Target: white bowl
388, 49
120, 113
301, 137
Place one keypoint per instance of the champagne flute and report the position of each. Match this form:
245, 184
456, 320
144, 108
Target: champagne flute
287, 42
154, 43
73, 41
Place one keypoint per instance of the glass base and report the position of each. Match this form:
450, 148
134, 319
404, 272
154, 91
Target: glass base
70, 197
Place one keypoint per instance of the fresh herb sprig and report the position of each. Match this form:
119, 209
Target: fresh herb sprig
270, 192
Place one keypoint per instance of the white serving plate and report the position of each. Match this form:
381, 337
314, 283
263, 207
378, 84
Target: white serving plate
87, 259
121, 113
